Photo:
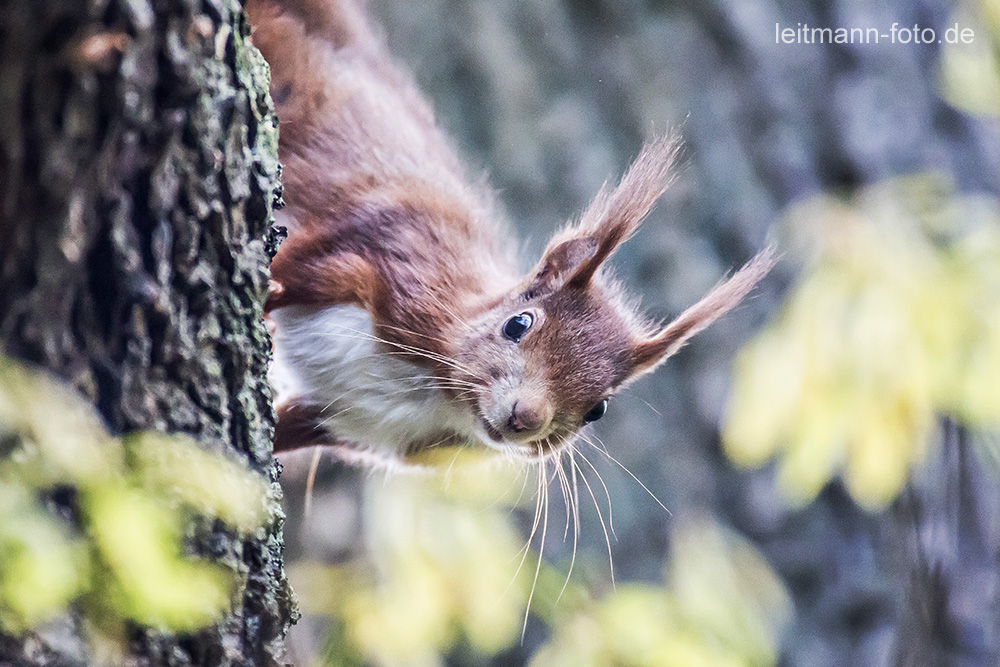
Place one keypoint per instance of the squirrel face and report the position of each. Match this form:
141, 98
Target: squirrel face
419, 348
543, 362
544, 367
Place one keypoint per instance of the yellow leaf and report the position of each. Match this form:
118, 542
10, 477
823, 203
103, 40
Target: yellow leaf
140, 540
209, 482
41, 567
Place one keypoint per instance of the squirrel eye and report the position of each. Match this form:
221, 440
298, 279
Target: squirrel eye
596, 412
517, 326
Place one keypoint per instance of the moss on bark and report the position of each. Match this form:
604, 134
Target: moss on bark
138, 170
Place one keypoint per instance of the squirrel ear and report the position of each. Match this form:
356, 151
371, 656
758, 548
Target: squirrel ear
561, 259
649, 353
574, 256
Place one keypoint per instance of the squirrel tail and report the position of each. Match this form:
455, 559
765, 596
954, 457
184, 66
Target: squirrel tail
302, 41
337, 23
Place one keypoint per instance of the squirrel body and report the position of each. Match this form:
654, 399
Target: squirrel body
378, 399
401, 319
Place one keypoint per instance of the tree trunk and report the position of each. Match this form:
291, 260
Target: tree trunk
138, 169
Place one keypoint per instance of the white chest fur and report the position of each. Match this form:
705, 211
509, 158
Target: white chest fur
377, 401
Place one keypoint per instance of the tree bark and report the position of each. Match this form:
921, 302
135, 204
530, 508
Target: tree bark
138, 169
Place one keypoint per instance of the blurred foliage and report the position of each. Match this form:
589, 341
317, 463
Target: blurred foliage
101, 523
894, 322
970, 73
447, 568
444, 567
721, 605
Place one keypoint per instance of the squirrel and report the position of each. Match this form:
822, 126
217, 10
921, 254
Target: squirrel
400, 319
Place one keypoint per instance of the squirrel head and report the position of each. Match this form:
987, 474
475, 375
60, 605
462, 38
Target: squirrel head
545, 359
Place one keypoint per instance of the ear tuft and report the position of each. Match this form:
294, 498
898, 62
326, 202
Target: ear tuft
653, 351
575, 255
612, 218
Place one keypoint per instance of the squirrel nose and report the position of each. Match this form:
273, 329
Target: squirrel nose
525, 417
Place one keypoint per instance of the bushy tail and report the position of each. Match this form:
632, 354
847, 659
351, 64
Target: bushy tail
302, 41
337, 23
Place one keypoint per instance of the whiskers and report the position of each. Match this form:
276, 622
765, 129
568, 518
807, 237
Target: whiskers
311, 482
604, 450
463, 386
568, 465
402, 349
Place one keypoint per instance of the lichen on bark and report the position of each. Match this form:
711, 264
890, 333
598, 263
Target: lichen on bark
138, 170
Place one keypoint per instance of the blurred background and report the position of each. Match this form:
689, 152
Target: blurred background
824, 460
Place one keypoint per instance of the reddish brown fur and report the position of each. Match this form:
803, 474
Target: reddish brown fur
380, 215
376, 200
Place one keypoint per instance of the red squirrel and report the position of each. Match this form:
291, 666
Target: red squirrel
401, 320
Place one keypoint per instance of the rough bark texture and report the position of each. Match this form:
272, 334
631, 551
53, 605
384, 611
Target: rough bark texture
137, 173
